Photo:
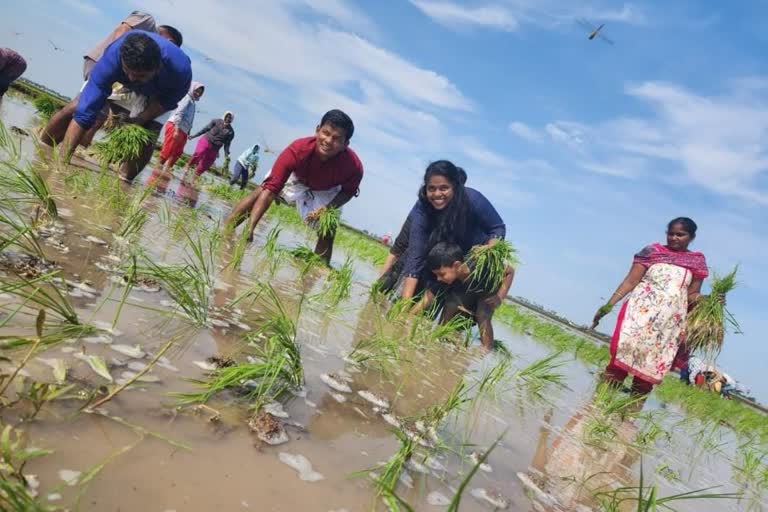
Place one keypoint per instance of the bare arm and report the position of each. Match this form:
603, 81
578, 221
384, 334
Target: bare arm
72, 138
497, 298
154, 109
391, 259
409, 287
633, 278
259, 207
424, 303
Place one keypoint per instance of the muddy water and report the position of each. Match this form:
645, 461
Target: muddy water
545, 461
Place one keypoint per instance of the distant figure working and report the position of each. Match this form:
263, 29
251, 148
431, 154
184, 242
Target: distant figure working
245, 166
217, 133
314, 173
146, 64
12, 66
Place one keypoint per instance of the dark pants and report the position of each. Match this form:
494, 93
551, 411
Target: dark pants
239, 173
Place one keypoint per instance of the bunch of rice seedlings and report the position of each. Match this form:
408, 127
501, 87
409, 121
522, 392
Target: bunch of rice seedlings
44, 293
709, 319
309, 257
122, 144
225, 191
328, 222
45, 106
386, 476
136, 215
488, 263
8, 145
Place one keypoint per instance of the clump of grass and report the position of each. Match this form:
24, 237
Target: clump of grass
45, 106
15, 495
340, 284
328, 222
123, 143
225, 191
489, 262
709, 319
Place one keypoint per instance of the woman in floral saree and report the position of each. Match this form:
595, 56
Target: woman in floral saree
662, 283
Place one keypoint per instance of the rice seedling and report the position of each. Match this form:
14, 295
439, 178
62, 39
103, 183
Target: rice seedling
709, 319
272, 250
489, 262
339, 285
135, 216
124, 143
27, 187
456, 501
498, 376
379, 350
15, 494
45, 106
328, 222
238, 251
189, 284
541, 376
647, 498
10, 147
44, 293
386, 476
276, 368
40, 393
84, 480
750, 468
309, 258
225, 191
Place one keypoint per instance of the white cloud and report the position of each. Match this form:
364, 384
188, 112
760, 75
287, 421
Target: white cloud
717, 142
524, 131
458, 15
510, 15
339, 10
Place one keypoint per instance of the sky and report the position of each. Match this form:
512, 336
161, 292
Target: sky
586, 149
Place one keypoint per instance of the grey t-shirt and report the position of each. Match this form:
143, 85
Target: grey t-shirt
136, 20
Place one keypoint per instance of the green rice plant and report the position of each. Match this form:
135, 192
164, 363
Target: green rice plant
190, 283
15, 495
436, 413
539, 377
493, 383
9, 146
750, 468
225, 191
648, 500
309, 258
456, 501
238, 251
272, 250
45, 106
40, 393
488, 263
386, 476
339, 284
328, 222
378, 350
44, 293
709, 319
27, 187
136, 215
277, 366
14, 231
122, 144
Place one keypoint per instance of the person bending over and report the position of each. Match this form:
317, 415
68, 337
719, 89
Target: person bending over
467, 293
315, 173
154, 71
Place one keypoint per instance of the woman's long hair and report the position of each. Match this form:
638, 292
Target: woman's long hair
450, 223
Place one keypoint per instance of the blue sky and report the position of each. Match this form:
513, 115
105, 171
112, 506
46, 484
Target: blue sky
586, 149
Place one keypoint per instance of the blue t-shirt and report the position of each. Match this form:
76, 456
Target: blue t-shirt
169, 85
483, 223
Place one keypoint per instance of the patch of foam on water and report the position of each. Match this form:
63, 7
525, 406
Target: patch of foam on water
391, 419
491, 497
475, 458
276, 409
131, 351
374, 398
302, 465
54, 496
335, 382
438, 499
204, 365
339, 397
69, 476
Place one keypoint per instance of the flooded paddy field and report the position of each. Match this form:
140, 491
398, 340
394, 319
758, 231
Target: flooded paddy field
177, 368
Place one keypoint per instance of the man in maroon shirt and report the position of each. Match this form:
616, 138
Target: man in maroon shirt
314, 173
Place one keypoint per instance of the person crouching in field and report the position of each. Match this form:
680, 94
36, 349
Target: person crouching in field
314, 173
466, 293
156, 75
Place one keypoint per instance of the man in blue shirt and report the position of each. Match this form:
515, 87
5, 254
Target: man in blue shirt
155, 70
